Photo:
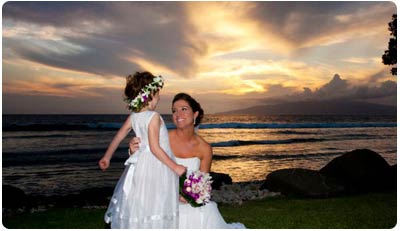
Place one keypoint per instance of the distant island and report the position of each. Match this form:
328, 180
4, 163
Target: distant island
325, 107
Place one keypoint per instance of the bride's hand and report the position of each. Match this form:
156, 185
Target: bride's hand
182, 199
134, 144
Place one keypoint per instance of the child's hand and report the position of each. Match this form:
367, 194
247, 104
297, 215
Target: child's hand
104, 163
134, 144
180, 169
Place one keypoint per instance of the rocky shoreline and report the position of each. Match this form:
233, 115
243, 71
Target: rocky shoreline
237, 193
16, 201
357, 172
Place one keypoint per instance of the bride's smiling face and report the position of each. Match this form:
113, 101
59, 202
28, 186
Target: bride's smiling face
182, 114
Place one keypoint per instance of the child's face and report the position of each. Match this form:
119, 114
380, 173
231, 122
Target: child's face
153, 103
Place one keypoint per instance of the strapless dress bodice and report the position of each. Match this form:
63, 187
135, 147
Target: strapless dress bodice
192, 163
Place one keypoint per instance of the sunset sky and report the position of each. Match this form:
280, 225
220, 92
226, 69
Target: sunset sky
72, 57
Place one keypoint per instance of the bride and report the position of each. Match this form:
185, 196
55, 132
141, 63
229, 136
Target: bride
195, 153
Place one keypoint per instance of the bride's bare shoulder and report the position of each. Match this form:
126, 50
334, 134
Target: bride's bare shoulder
204, 145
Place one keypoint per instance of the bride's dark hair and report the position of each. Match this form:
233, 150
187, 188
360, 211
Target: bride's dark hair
192, 103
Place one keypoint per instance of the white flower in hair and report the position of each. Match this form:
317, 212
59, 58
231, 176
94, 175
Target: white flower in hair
136, 103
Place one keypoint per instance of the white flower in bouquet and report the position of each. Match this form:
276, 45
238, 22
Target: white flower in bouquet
196, 188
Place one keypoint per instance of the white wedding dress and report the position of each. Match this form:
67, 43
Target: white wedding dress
204, 217
146, 195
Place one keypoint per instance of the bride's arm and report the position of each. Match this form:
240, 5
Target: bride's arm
134, 145
206, 157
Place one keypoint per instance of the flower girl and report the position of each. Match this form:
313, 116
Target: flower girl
146, 195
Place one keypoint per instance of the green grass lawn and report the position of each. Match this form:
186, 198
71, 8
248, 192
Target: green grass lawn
365, 211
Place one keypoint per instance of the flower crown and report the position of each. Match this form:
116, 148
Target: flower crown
137, 103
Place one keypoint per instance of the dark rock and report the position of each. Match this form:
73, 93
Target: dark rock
96, 196
40, 200
264, 185
13, 197
360, 171
219, 179
87, 197
392, 177
302, 182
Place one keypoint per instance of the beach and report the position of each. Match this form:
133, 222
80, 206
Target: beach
299, 102
52, 155
50, 168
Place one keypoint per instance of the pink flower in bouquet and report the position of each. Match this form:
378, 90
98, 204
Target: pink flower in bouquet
196, 188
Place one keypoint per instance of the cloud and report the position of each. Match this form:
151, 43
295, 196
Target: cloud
98, 60
335, 88
339, 88
109, 38
380, 75
319, 23
384, 92
358, 60
110, 103
108, 34
387, 88
235, 53
276, 90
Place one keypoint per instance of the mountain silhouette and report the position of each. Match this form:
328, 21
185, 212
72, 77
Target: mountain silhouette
326, 107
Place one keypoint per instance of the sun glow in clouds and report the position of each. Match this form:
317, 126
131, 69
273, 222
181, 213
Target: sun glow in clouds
232, 49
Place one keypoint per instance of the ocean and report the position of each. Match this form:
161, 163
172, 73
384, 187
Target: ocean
58, 154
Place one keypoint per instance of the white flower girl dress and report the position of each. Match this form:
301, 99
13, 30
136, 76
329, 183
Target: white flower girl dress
204, 217
146, 195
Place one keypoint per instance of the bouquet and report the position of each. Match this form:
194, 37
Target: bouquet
195, 188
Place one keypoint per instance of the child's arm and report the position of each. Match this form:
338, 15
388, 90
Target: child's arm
154, 133
121, 134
